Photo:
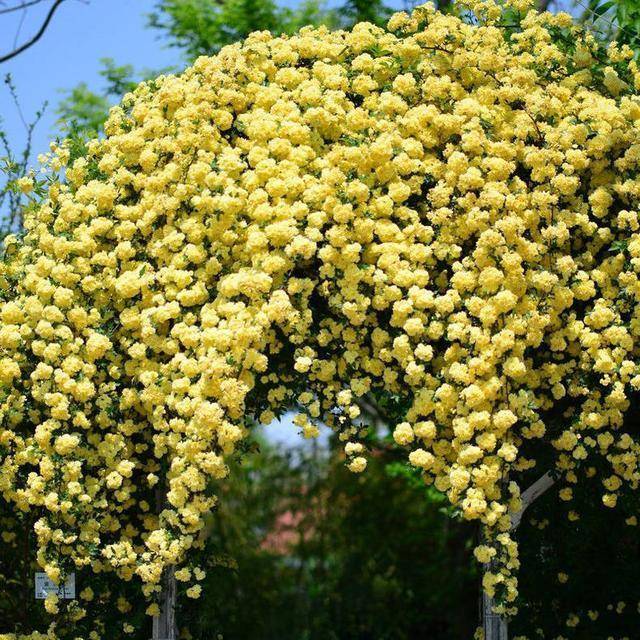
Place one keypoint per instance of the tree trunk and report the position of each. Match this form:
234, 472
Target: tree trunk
164, 625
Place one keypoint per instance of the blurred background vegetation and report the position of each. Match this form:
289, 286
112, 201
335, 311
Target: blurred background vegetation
299, 547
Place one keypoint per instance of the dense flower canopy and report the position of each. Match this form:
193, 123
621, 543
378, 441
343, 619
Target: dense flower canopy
443, 214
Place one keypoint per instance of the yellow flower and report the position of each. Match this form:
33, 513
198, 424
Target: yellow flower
25, 184
194, 592
51, 603
358, 464
66, 443
403, 434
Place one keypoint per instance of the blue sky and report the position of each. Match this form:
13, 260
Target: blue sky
69, 53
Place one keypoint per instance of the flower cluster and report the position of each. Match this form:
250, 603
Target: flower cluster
439, 212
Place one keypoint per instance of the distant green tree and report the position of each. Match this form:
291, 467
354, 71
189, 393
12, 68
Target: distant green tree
614, 20
83, 111
203, 27
317, 553
354, 11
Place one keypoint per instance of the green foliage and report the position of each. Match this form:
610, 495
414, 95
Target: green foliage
598, 548
202, 27
600, 554
83, 111
617, 19
316, 552
628, 19
374, 11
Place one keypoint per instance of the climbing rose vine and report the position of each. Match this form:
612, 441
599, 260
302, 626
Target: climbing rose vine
443, 214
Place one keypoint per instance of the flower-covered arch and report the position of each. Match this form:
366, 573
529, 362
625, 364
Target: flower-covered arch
443, 212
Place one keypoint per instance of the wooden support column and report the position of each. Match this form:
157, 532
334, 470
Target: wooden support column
164, 624
494, 626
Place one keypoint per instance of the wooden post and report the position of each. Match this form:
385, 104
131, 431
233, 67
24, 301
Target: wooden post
494, 626
530, 495
164, 625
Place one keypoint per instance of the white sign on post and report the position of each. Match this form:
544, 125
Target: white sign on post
44, 586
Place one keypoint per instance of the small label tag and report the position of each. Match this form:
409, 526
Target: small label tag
44, 586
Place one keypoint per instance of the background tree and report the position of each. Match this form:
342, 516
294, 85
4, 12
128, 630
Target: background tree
14, 166
614, 20
202, 27
319, 553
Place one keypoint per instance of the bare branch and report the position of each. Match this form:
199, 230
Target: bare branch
22, 5
15, 167
35, 38
19, 29
532, 494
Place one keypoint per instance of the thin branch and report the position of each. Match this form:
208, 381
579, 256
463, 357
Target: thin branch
14, 96
15, 167
23, 5
532, 494
535, 124
23, 15
35, 38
